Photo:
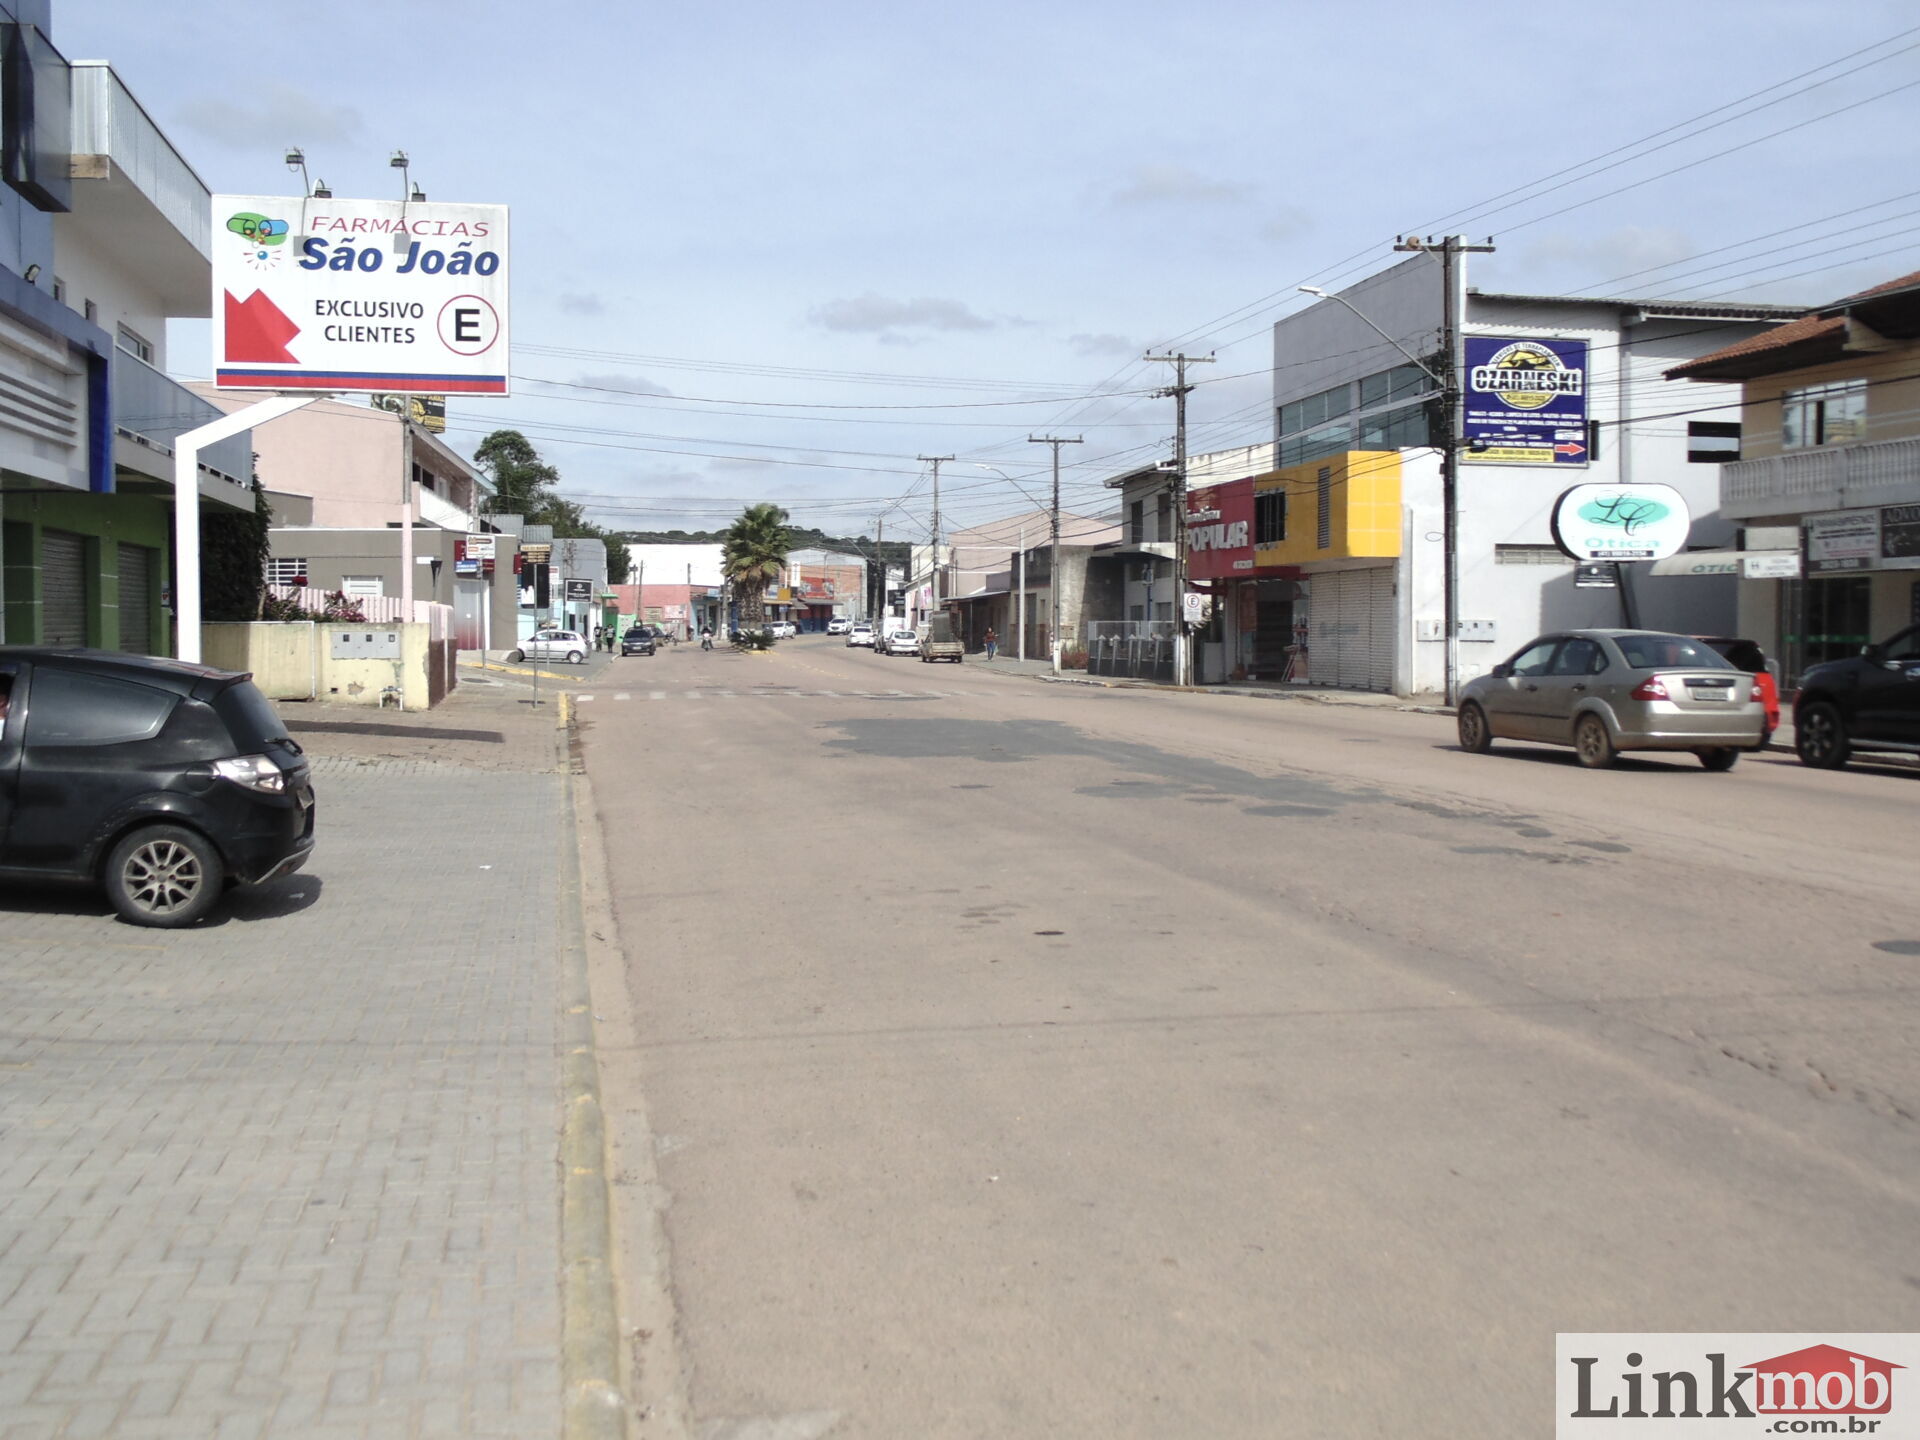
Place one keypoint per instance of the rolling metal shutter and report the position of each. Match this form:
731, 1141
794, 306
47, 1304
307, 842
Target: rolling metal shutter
1353, 629
63, 588
1380, 637
136, 599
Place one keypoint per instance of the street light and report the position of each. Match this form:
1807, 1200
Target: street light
1449, 447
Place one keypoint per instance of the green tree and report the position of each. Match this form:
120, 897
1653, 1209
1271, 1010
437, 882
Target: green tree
752, 553
524, 484
234, 549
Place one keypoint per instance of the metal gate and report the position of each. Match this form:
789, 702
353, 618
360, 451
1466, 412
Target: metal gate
1351, 613
63, 588
1134, 649
136, 599
469, 619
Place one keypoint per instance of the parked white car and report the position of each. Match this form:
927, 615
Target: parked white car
550, 645
902, 642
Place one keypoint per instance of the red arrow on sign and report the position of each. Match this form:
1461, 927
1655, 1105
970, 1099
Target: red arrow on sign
1569, 449
257, 331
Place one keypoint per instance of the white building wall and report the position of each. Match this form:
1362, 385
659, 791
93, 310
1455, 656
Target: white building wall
117, 293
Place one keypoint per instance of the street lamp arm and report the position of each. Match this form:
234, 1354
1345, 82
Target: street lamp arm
1365, 320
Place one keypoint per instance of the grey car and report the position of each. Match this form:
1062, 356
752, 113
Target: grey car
1604, 691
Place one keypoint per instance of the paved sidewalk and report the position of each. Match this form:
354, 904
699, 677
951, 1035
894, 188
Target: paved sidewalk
294, 1172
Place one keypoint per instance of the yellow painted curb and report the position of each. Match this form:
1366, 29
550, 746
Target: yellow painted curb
566, 710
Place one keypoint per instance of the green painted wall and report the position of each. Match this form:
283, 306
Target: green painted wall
108, 522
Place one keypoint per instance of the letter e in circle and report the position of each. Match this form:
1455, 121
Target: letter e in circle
468, 325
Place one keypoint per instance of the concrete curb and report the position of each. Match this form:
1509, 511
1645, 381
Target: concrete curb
593, 1404
1219, 692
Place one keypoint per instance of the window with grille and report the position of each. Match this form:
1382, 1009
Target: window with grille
1269, 517
1324, 535
284, 571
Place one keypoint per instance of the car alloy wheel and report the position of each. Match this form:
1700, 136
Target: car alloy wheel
165, 876
1820, 737
1475, 737
1592, 743
576, 657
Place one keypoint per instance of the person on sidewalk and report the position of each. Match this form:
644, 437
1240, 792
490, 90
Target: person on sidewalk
993, 642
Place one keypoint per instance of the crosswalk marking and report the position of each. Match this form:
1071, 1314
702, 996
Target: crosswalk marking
706, 695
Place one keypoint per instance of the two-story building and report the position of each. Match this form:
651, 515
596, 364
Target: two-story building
1826, 488
105, 234
1350, 536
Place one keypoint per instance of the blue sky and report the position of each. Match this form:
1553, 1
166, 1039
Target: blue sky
724, 213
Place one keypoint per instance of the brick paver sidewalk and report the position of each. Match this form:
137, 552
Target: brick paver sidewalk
293, 1172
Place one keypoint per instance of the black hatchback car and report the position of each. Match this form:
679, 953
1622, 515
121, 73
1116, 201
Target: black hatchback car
164, 782
638, 641
1867, 702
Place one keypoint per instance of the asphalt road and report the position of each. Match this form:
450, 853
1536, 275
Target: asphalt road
1041, 1060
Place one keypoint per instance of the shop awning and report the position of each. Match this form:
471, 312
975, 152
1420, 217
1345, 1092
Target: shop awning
1765, 564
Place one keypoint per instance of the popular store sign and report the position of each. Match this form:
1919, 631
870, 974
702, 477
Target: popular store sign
376, 295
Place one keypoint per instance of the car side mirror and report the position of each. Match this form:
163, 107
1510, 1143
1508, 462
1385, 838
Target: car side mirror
1870, 652
1501, 671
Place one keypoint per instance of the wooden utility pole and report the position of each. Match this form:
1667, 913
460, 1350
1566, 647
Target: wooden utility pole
1179, 390
936, 461
1053, 564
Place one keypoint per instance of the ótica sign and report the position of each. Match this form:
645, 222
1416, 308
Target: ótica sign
1621, 522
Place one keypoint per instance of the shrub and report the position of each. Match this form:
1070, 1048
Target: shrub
753, 640
1073, 659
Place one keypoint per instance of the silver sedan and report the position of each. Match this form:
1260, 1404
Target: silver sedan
1604, 691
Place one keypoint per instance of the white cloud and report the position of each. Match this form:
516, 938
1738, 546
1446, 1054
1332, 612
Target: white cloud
631, 384
574, 304
1155, 185
275, 113
1101, 344
1623, 252
878, 315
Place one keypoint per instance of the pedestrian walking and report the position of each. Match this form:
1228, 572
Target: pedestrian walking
993, 642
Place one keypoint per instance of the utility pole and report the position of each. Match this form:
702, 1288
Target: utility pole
1020, 597
1179, 390
1053, 563
1453, 251
936, 461
879, 612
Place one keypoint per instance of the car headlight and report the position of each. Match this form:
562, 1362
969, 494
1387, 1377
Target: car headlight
255, 772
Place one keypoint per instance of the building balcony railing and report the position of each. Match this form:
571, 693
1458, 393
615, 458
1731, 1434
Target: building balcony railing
1832, 477
154, 411
436, 510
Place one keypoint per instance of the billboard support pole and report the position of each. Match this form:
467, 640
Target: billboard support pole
186, 507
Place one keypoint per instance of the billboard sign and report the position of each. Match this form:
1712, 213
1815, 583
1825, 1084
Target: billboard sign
1525, 402
579, 590
1621, 522
1842, 540
1220, 531
400, 298
429, 412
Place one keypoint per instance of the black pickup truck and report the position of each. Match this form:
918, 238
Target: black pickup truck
1868, 702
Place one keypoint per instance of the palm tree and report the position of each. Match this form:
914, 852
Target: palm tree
752, 553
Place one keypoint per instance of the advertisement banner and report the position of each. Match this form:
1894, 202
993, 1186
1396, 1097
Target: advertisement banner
1900, 537
366, 295
1841, 540
1525, 402
1220, 531
429, 412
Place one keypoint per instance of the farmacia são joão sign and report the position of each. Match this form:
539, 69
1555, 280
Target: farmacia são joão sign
352, 295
